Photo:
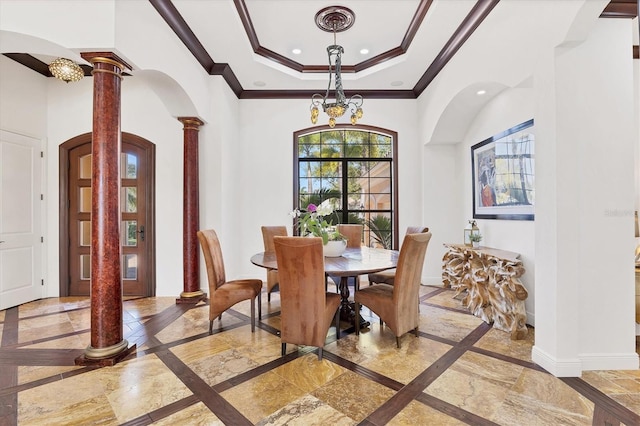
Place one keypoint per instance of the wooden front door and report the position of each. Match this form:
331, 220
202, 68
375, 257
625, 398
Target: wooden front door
136, 229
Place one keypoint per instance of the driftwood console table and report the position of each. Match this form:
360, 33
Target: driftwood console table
487, 279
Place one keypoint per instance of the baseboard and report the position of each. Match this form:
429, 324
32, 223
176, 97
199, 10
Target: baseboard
531, 319
431, 281
621, 361
559, 368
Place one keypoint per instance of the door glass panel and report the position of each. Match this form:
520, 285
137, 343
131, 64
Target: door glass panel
130, 233
85, 233
85, 200
85, 167
129, 199
130, 266
85, 267
129, 166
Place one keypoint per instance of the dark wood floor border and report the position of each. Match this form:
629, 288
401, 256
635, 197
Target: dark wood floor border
162, 412
437, 291
507, 358
453, 411
602, 402
404, 396
219, 406
364, 372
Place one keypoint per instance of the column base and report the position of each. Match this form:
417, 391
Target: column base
105, 357
191, 297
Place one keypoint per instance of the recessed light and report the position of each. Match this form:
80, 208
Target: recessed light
364, 51
259, 83
397, 83
481, 92
296, 51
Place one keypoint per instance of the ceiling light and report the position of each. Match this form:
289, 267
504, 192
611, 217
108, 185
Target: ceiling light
481, 92
66, 70
335, 19
296, 51
259, 83
397, 83
364, 51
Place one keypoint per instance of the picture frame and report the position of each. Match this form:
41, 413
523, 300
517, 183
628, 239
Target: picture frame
503, 175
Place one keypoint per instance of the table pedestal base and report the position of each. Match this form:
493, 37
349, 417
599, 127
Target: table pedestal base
347, 309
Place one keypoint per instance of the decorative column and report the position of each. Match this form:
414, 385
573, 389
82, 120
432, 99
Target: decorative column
107, 343
191, 214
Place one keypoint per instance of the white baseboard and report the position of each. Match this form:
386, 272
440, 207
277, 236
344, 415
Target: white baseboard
621, 361
559, 368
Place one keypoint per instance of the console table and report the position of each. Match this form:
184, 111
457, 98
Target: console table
487, 279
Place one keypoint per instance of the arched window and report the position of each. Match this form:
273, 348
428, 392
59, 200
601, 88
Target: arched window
354, 169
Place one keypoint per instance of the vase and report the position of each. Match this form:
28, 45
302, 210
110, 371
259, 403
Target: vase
334, 248
475, 244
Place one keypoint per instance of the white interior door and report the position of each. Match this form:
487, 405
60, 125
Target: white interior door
20, 220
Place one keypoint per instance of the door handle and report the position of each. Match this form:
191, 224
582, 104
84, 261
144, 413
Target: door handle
141, 232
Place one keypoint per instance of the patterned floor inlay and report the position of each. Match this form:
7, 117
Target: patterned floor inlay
458, 371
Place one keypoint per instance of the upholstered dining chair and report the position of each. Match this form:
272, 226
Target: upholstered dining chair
353, 232
388, 276
306, 310
224, 294
268, 232
396, 304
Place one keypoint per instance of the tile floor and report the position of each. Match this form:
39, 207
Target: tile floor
458, 371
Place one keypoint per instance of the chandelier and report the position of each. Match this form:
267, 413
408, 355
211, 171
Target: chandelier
66, 70
335, 19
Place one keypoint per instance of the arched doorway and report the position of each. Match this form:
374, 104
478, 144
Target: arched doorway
137, 206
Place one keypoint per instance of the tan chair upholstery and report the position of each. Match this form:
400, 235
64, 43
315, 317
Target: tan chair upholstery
306, 309
353, 232
388, 276
396, 304
268, 232
224, 294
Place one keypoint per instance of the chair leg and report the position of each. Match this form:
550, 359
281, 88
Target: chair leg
398, 342
211, 327
284, 349
319, 354
337, 318
269, 297
415, 331
253, 315
357, 308
260, 306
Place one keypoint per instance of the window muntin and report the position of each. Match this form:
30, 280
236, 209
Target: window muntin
354, 171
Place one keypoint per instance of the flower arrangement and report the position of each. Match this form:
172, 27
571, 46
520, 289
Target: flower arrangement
312, 221
475, 238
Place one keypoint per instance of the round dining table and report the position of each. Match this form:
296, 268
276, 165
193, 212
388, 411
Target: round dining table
352, 263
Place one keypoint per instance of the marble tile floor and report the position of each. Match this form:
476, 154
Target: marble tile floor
458, 371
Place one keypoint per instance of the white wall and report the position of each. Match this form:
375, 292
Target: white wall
508, 109
266, 166
584, 215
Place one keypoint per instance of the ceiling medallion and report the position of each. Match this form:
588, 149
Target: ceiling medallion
335, 19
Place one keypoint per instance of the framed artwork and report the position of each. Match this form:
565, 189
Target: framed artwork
502, 169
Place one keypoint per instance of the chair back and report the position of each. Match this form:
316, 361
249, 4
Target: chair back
302, 289
408, 277
353, 232
212, 258
416, 229
268, 232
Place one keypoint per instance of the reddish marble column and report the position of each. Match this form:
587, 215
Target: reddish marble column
107, 343
191, 213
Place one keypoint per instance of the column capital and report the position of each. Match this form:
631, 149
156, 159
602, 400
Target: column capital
192, 123
106, 57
